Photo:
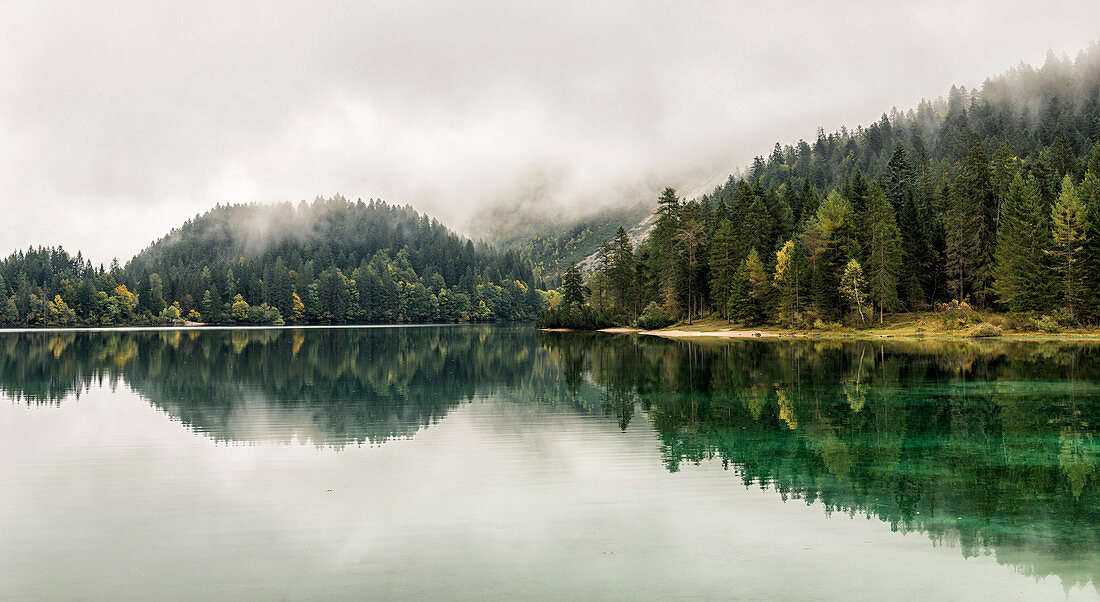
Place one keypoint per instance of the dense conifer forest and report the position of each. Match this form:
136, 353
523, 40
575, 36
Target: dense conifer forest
988, 199
332, 261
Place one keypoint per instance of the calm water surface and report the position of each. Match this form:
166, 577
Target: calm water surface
479, 462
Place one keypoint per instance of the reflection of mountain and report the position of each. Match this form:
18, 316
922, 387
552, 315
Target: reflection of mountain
329, 386
992, 446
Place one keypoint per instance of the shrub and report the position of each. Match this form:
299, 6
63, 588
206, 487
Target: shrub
653, 317
985, 329
1064, 317
1048, 324
957, 314
820, 324
1014, 322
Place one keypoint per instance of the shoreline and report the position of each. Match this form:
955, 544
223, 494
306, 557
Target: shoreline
713, 332
199, 327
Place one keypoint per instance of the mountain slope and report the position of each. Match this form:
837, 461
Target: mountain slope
551, 243
330, 261
988, 197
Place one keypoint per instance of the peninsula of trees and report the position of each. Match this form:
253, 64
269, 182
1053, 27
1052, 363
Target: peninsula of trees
989, 199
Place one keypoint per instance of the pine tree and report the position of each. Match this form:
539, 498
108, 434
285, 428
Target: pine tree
759, 286
976, 187
280, 287
899, 179
963, 243
749, 296
1070, 227
156, 301
1022, 278
1088, 193
827, 240
572, 284
691, 239
788, 277
617, 265
9, 314
883, 252
663, 266
723, 267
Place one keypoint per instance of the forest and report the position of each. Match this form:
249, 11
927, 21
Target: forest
988, 199
332, 261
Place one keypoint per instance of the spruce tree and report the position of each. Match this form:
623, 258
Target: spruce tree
691, 239
883, 252
1022, 278
572, 285
723, 267
750, 298
788, 279
663, 258
759, 284
1070, 227
963, 242
974, 192
1088, 193
617, 266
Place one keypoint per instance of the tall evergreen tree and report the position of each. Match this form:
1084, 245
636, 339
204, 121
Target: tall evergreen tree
572, 285
963, 242
1022, 276
1070, 226
723, 267
691, 239
617, 265
883, 251
663, 264
1088, 193
750, 298
974, 192
788, 278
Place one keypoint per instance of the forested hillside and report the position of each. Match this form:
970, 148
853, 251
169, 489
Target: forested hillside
552, 244
332, 261
989, 198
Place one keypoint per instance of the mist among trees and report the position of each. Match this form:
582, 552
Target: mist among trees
989, 198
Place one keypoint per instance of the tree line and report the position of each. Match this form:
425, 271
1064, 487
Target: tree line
332, 261
989, 199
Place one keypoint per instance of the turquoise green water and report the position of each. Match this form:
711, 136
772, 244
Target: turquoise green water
481, 462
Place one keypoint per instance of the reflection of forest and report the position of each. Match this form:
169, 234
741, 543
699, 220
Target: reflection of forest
991, 446
332, 386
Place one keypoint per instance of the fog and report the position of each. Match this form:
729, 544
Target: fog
119, 120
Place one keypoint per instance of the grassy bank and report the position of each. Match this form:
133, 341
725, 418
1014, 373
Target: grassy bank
908, 325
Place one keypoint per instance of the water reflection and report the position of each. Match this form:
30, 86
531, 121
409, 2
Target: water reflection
988, 446
331, 387
992, 447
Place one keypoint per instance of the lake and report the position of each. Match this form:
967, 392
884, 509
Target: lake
474, 462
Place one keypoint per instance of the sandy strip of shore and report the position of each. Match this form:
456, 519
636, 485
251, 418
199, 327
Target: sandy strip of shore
721, 334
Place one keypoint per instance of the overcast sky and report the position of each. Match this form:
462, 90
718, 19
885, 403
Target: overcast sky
119, 120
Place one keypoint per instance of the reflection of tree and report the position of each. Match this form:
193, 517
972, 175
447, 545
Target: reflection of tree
992, 447
332, 386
